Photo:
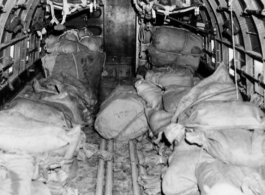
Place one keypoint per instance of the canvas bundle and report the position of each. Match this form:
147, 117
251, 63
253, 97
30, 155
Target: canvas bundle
157, 120
233, 146
150, 92
40, 111
122, 116
179, 178
85, 66
169, 76
218, 87
175, 46
220, 177
218, 115
172, 97
64, 46
93, 43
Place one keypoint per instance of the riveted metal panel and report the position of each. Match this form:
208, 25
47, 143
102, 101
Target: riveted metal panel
119, 23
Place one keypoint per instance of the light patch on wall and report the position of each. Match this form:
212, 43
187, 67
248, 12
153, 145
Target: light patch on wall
231, 72
10, 70
258, 72
212, 45
231, 56
12, 51
231, 61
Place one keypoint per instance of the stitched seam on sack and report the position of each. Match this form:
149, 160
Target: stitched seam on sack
177, 53
130, 123
76, 67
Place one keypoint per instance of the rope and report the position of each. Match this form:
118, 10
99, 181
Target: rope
233, 46
130, 123
77, 74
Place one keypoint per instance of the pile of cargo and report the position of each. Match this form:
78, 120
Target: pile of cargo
217, 138
78, 53
42, 138
130, 111
41, 129
218, 142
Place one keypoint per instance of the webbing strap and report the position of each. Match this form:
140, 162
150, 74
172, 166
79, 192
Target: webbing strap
130, 123
76, 67
178, 53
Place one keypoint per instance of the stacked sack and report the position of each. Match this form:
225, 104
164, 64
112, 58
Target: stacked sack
219, 142
78, 53
172, 46
130, 111
41, 137
162, 89
125, 113
121, 115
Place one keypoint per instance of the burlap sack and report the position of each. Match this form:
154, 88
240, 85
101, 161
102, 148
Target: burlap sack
175, 46
122, 116
234, 146
150, 92
218, 86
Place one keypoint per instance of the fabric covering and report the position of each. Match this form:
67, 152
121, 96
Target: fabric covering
72, 103
228, 179
40, 111
157, 119
168, 76
233, 146
151, 93
172, 97
71, 35
93, 43
32, 136
85, 66
179, 178
64, 82
16, 173
218, 86
64, 46
122, 116
175, 46
216, 115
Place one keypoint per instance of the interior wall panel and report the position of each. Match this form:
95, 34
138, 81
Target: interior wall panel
119, 23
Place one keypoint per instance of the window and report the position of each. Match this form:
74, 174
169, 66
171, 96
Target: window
239, 60
258, 74
252, 31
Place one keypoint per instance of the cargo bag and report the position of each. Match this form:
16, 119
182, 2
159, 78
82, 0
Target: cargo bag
71, 35
64, 46
72, 103
172, 97
218, 115
40, 111
167, 76
216, 177
17, 171
157, 119
122, 116
85, 66
21, 133
234, 146
218, 86
64, 82
150, 92
179, 178
93, 43
175, 46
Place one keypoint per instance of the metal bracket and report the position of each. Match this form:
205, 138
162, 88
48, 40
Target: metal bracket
260, 13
